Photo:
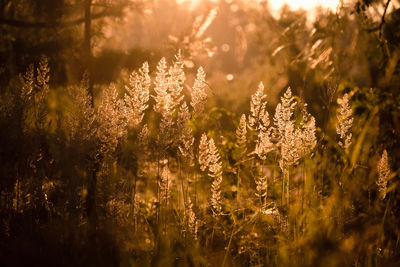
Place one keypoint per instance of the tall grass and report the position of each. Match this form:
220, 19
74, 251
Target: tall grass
168, 188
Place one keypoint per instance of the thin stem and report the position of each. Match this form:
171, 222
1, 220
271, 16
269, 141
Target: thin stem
287, 186
283, 189
134, 202
227, 249
158, 187
237, 189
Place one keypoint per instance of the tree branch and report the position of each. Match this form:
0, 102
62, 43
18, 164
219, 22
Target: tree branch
54, 24
383, 19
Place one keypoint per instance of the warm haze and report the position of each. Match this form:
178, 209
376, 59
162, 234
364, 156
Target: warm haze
199, 133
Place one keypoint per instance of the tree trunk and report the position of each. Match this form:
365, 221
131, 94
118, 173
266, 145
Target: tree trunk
87, 49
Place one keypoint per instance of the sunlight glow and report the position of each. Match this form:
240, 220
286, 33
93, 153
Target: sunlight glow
307, 5
304, 4
275, 5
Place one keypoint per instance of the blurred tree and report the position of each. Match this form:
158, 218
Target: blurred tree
61, 29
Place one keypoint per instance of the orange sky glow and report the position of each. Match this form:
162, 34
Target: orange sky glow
277, 4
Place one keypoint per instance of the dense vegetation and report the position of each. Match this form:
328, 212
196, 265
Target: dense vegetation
291, 161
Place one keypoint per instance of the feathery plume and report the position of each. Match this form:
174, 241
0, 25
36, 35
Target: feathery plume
288, 136
163, 99
43, 75
291, 144
165, 138
345, 121
283, 114
241, 132
175, 80
295, 140
203, 152
214, 163
164, 104
264, 144
215, 171
199, 94
191, 220
384, 173
259, 121
216, 195
259, 117
308, 130
137, 95
27, 80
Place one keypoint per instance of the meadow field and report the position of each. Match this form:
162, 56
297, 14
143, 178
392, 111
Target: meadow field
199, 133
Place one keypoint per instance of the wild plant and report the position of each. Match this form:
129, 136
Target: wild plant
263, 191
384, 174
345, 121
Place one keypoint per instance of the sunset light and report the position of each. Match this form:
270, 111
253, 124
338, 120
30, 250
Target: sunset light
304, 4
277, 4
231, 133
